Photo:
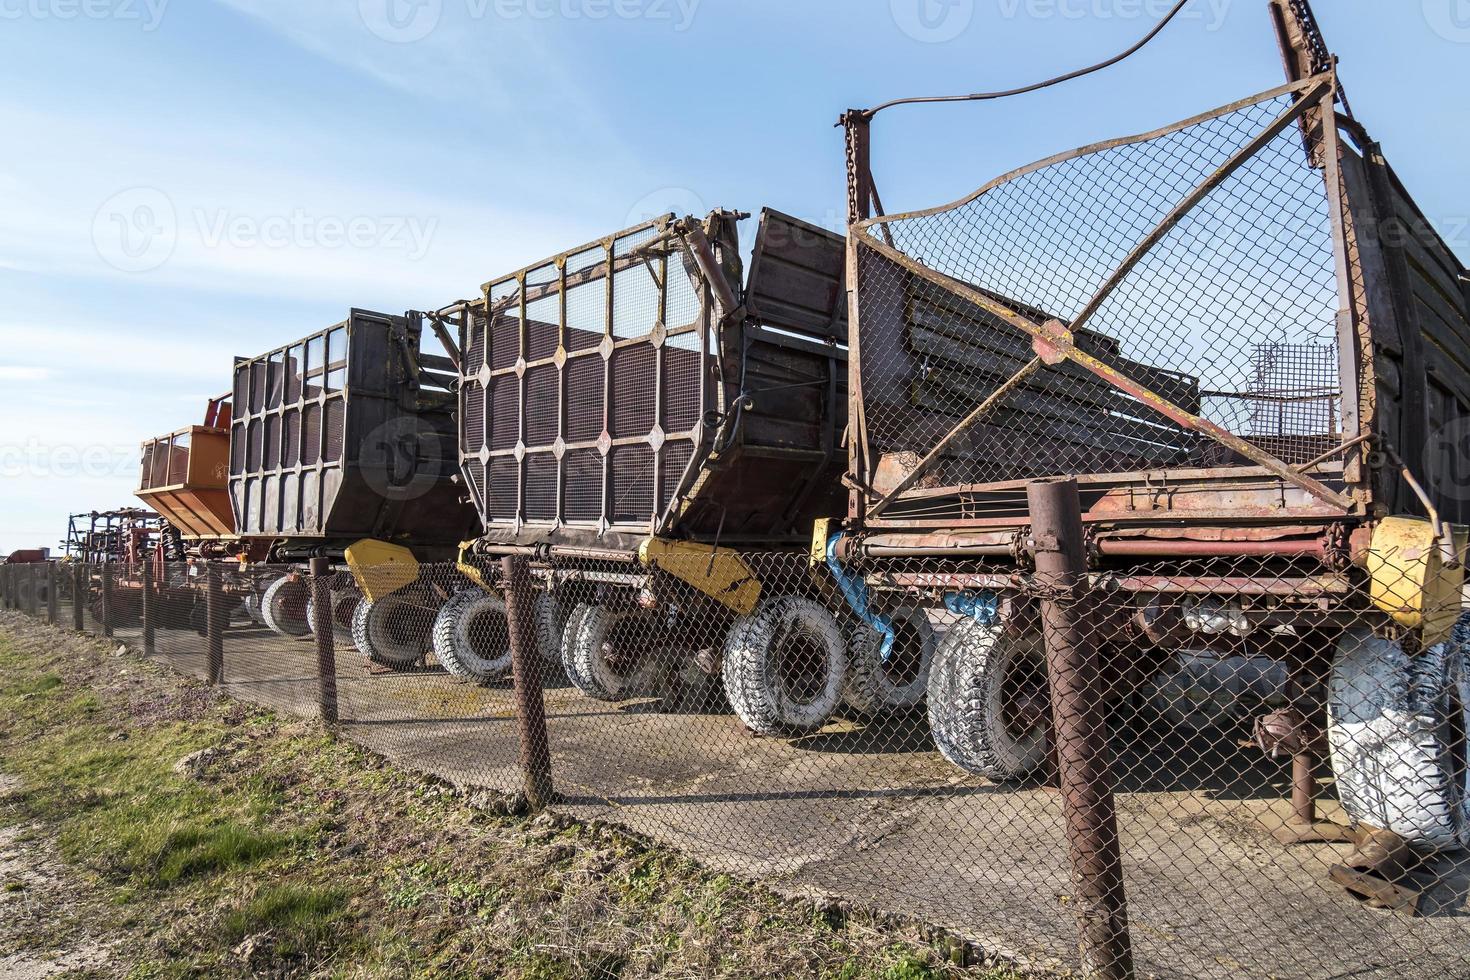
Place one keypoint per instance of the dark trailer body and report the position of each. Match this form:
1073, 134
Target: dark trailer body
344, 435
639, 386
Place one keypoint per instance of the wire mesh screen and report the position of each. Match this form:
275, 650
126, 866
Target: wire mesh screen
888, 732
1198, 263
585, 382
901, 751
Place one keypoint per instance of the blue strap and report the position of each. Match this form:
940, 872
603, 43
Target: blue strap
982, 607
855, 591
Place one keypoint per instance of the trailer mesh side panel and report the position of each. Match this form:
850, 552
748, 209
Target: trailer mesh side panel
1228, 312
585, 386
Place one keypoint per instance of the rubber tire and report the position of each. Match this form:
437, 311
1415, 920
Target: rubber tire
870, 689
273, 612
755, 689
551, 625
584, 657
456, 641
1390, 738
369, 621
965, 701
341, 634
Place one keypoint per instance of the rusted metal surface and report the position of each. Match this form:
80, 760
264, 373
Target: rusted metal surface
326, 651
1386, 315
535, 746
185, 476
80, 595
1075, 678
215, 620
149, 603
107, 598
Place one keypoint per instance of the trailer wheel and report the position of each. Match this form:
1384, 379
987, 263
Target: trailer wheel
602, 653
551, 625
785, 667
394, 631
988, 704
344, 606
472, 636
1397, 733
875, 685
283, 607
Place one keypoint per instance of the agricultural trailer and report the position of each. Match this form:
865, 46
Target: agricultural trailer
124, 538
1246, 343
184, 476
342, 446
637, 415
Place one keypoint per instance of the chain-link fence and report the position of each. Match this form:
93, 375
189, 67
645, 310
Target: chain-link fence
1243, 767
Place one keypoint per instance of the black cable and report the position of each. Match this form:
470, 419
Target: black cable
984, 96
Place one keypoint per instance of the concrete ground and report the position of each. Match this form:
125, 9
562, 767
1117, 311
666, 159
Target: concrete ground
874, 814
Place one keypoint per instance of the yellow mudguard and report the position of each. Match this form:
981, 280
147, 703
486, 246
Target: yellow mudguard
718, 573
1413, 580
381, 569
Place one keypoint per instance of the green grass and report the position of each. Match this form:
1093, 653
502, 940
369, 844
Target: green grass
295, 853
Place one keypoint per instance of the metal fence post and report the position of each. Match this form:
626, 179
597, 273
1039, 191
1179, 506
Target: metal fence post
33, 598
7, 581
525, 656
107, 598
214, 624
53, 602
79, 586
1074, 674
326, 650
150, 610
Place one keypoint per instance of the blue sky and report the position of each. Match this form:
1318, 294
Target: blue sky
187, 180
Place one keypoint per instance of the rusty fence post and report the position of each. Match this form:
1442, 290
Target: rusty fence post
525, 656
33, 590
7, 585
107, 598
150, 609
324, 619
1075, 678
79, 587
53, 601
214, 624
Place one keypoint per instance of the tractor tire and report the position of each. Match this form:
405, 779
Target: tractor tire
977, 671
590, 658
472, 636
344, 605
283, 607
551, 626
1397, 734
875, 686
785, 667
393, 632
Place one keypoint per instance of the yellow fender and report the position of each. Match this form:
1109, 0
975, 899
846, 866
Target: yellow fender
1414, 580
381, 569
719, 573
470, 571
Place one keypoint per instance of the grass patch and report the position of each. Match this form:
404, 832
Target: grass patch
263, 860
299, 920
